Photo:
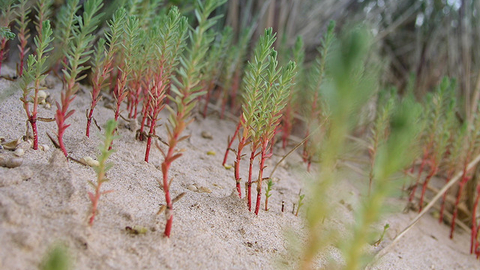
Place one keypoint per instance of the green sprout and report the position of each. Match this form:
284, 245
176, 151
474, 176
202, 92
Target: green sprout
102, 168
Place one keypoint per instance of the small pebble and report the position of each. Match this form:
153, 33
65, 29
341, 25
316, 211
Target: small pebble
19, 152
42, 96
192, 188
206, 135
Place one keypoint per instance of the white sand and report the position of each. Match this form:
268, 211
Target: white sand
45, 201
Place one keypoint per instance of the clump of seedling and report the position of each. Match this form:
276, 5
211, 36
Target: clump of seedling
186, 90
439, 116
168, 43
102, 168
36, 67
267, 89
77, 53
103, 60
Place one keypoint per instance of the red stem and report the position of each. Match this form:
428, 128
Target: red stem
231, 141
241, 144
249, 183
473, 239
433, 171
461, 185
95, 204
264, 156
420, 170
207, 97
444, 198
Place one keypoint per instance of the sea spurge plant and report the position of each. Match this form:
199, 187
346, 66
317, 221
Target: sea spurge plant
254, 81
216, 58
168, 44
345, 93
288, 118
393, 156
36, 67
43, 13
471, 148
131, 39
441, 142
67, 23
103, 60
187, 90
434, 138
314, 109
102, 168
233, 71
379, 130
77, 54
453, 160
273, 102
7, 15
23, 11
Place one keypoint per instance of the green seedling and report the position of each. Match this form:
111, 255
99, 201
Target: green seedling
35, 73
186, 90
216, 60
377, 243
77, 53
103, 60
268, 193
43, 13
102, 168
57, 258
298, 53
314, 110
380, 129
300, 203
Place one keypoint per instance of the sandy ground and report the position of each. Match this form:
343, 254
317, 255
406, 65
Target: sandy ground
44, 201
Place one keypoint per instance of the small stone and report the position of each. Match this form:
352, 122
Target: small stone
192, 188
42, 96
19, 152
206, 135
